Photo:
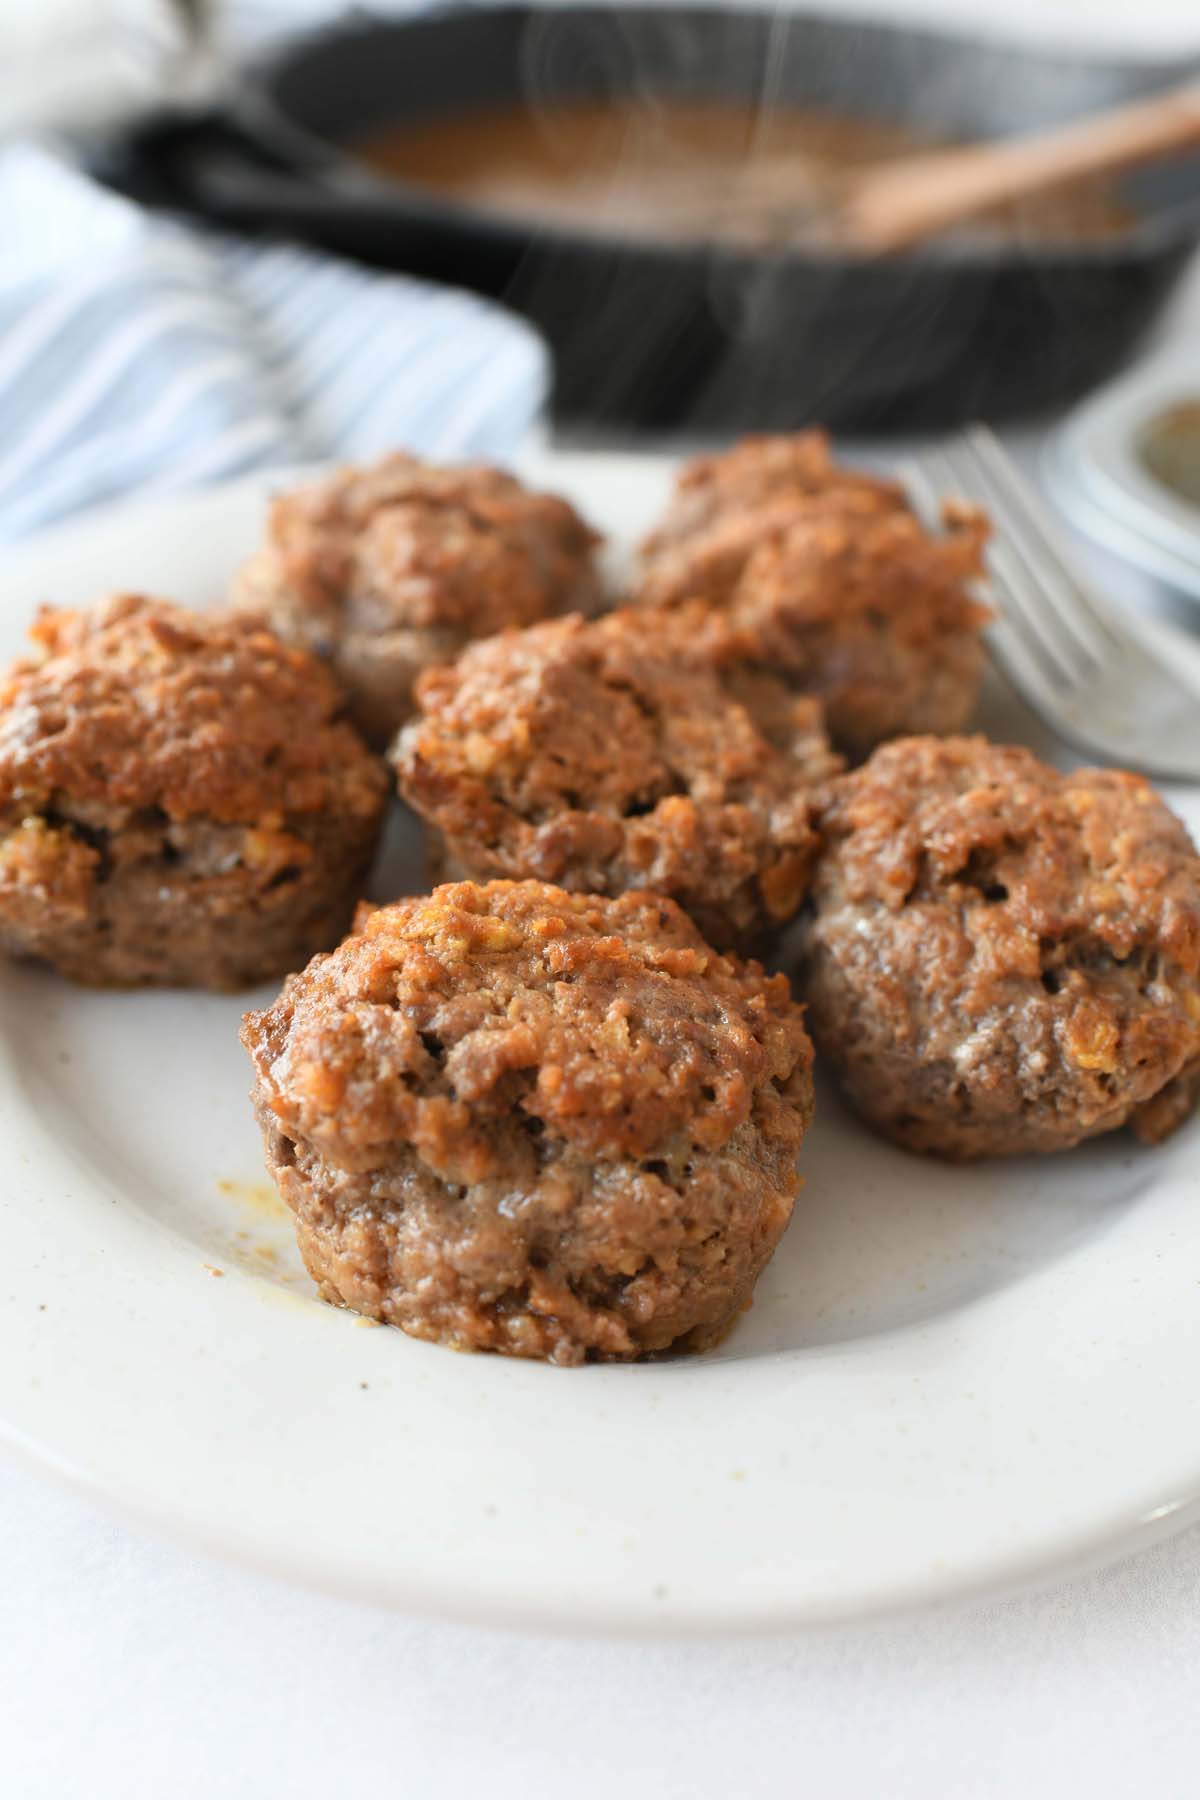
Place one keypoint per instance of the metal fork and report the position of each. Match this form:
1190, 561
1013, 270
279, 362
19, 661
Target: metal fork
1084, 671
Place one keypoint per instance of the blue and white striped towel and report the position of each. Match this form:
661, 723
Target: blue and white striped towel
137, 355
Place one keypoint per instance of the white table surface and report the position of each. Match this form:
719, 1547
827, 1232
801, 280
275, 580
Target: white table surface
133, 1670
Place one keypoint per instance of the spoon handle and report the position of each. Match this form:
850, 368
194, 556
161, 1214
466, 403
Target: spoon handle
900, 203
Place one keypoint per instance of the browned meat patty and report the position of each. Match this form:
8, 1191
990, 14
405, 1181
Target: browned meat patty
760, 469
516, 1119
590, 754
180, 802
838, 589
1002, 958
389, 569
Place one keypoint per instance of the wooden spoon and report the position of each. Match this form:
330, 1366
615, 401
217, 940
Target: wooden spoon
900, 203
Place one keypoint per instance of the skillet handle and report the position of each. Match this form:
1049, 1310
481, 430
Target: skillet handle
212, 165
224, 171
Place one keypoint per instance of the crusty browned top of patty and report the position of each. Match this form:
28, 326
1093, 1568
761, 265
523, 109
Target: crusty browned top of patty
1042, 864
455, 1020
829, 580
889, 570
138, 703
790, 568
857, 604
594, 747
412, 543
759, 470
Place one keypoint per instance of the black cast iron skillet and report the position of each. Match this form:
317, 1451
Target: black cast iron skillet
698, 339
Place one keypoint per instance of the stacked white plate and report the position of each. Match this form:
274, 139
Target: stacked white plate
1125, 468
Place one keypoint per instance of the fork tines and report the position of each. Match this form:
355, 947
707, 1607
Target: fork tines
1090, 676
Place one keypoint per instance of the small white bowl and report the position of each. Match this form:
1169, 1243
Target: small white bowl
1122, 464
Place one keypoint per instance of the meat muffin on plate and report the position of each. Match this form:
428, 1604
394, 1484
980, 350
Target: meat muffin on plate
762, 469
841, 592
388, 569
510, 1118
180, 801
589, 753
1002, 958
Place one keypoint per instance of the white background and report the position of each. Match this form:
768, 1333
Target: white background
135, 1670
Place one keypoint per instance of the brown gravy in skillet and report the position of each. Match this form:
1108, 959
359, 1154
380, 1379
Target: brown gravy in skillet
683, 171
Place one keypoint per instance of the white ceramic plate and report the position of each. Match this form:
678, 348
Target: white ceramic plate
950, 1380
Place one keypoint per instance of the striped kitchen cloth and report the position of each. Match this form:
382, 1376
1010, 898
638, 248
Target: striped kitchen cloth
139, 355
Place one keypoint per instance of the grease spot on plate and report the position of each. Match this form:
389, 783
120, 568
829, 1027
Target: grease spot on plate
256, 1196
